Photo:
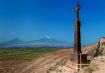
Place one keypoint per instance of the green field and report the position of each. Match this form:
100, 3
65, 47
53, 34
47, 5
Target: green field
23, 54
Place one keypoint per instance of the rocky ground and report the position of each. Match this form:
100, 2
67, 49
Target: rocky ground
97, 65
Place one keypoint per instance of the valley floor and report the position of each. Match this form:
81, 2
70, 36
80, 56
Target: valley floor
40, 65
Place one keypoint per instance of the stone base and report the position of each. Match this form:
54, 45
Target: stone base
79, 58
77, 61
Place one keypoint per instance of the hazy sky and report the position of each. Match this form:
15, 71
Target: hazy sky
33, 19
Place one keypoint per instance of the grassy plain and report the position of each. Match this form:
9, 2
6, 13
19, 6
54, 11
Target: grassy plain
23, 54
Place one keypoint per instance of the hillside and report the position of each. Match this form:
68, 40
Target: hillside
97, 65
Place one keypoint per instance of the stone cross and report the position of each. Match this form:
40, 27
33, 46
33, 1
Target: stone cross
77, 11
77, 58
77, 36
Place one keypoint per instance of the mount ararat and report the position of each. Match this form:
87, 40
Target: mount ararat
43, 42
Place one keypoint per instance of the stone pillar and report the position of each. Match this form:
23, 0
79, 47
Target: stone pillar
77, 36
77, 58
77, 55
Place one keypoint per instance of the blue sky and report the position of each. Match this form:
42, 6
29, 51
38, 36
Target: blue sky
33, 19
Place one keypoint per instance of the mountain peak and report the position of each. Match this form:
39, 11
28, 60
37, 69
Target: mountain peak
14, 41
47, 37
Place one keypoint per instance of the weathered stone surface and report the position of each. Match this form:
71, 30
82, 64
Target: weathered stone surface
101, 46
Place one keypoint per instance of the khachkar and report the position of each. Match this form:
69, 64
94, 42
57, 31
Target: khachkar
77, 56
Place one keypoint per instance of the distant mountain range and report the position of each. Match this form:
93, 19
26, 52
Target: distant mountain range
43, 42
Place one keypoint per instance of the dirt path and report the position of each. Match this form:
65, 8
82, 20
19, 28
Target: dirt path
45, 62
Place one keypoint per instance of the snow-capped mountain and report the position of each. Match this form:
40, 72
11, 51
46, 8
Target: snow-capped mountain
43, 42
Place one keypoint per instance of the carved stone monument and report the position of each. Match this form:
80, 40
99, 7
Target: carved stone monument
77, 38
77, 58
